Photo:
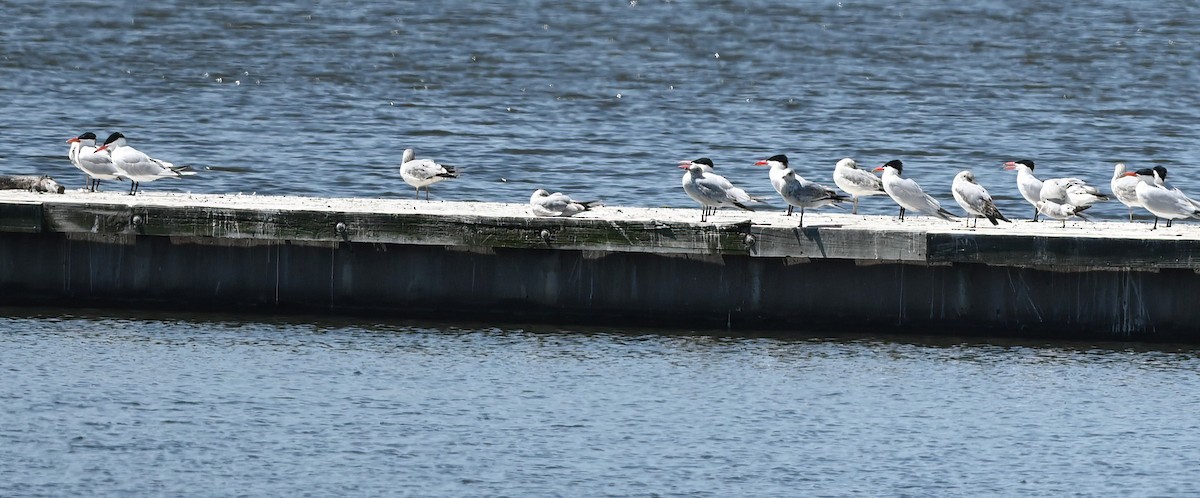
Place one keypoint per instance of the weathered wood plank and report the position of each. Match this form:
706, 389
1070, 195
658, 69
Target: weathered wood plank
25, 217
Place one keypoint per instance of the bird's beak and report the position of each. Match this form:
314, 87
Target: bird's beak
102, 148
685, 165
761, 163
1010, 165
879, 168
72, 140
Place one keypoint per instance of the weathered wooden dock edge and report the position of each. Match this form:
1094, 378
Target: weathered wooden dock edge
640, 267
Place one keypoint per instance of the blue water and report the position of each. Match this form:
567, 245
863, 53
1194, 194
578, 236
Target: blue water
600, 100
210, 406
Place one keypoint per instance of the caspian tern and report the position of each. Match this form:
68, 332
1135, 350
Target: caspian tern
710, 189
1029, 185
543, 203
421, 173
975, 199
1154, 196
97, 166
856, 182
908, 194
797, 191
1124, 188
1060, 211
136, 166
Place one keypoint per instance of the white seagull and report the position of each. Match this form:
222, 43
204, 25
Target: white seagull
421, 173
1154, 196
856, 182
1073, 191
710, 189
908, 194
136, 166
707, 165
975, 199
797, 191
97, 166
543, 203
1059, 211
1124, 188
1029, 186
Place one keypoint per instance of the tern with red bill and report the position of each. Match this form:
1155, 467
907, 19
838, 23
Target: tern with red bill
797, 191
1028, 184
97, 166
1154, 196
136, 166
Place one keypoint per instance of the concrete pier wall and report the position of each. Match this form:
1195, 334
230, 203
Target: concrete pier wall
659, 267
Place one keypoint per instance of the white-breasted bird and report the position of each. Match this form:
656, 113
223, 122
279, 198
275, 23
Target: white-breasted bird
1163, 202
707, 165
975, 199
1073, 191
797, 191
710, 189
136, 166
1060, 211
1028, 185
543, 203
1124, 188
856, 182
908, 194
421, 173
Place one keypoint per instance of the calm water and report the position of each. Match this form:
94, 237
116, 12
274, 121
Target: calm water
599, 99
153, 406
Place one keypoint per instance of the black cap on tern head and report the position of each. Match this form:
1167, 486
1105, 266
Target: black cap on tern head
87, 136
1027, 162
1162, 171
113, 138
705, 161
779, 158
895, 163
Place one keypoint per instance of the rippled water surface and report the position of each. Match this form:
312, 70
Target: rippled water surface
153, 406
601, 98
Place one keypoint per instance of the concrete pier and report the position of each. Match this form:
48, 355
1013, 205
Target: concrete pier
614, 265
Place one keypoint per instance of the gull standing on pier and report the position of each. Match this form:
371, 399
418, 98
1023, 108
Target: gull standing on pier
707, 165
421, 173
97, 165
856, 182
543, 203
975, 199
797, 191
1124, 188
710, 189
1060, 211
908, 194
1154, 196
138, 167
1029, 186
